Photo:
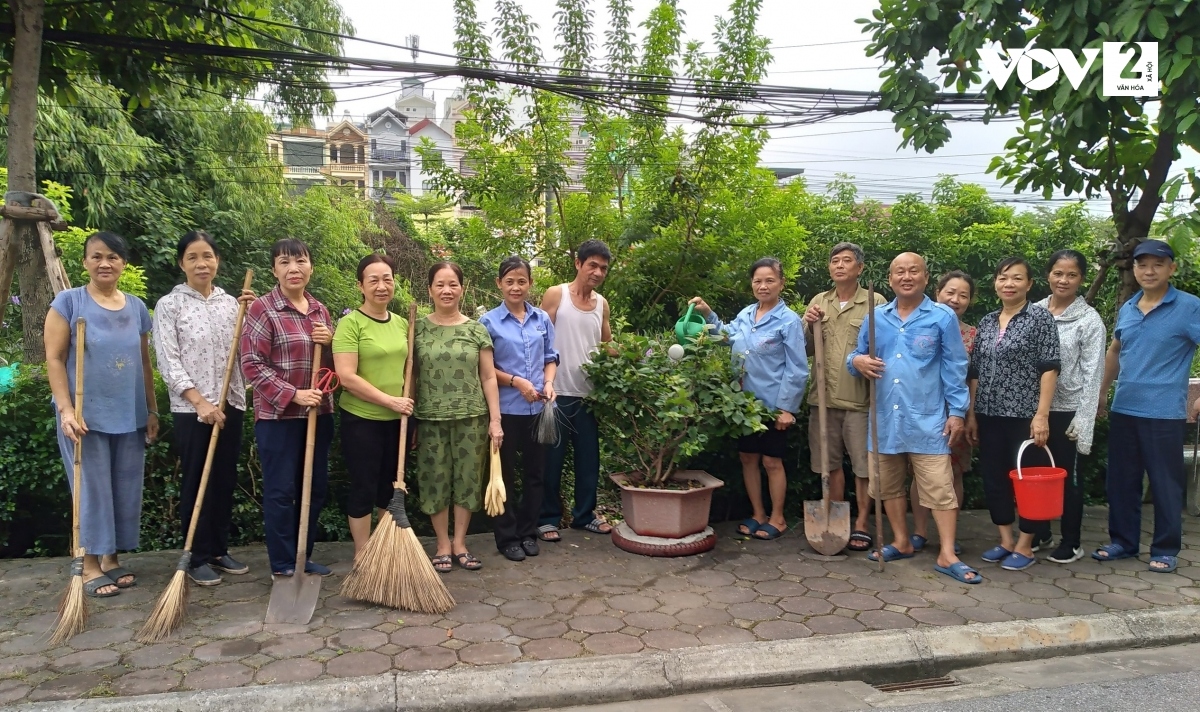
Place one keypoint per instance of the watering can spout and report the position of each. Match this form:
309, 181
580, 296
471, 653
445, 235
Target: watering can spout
689, 327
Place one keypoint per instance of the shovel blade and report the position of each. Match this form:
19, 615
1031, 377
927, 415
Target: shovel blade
828, 534
294, 598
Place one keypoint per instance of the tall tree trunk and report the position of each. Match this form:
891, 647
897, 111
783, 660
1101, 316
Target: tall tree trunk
22, 164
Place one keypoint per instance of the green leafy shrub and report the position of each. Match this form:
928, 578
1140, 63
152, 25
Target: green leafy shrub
35, 502
657, 413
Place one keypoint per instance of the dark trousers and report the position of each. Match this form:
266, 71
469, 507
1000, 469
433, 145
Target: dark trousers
281, 450
1067, 457
999, 440
371, 451
520, 449
577, 425
191, 440
1154, 447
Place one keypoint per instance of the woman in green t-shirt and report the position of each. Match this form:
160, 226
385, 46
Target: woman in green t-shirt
458, 405
369, 349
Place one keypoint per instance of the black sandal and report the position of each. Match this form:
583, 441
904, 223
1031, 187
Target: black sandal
442, 564
468, 561
862, 539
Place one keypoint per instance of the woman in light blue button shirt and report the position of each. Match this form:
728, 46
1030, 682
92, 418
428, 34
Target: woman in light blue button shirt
767, 339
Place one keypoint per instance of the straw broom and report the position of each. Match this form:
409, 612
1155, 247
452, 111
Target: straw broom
392, 569
169, 611
72, 611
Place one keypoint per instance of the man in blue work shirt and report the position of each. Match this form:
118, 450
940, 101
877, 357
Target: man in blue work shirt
921, 398
1153, 344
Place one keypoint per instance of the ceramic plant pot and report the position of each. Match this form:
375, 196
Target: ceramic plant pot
667, 513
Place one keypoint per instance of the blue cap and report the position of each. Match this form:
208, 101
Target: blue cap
1156, 248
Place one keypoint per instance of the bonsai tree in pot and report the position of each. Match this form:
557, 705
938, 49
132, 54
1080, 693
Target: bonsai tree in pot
656, 412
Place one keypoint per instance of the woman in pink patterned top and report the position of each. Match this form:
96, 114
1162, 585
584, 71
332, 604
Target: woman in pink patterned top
956, 290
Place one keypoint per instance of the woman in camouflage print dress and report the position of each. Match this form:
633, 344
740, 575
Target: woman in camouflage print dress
458, 406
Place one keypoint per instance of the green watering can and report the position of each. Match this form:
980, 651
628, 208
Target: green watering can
689, 327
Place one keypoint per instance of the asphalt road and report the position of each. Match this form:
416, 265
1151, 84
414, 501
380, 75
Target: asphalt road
1166, 679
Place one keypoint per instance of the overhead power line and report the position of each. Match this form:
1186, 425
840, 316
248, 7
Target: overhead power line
775, 106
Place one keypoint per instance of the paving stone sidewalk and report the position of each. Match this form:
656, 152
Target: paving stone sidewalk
582, 597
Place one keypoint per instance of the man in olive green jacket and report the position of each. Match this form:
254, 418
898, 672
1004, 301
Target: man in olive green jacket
841, 312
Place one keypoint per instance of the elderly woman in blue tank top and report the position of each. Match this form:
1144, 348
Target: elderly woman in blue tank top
768, 350
119, 413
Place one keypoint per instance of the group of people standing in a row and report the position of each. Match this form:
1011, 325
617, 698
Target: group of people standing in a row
1028, 371
478, 383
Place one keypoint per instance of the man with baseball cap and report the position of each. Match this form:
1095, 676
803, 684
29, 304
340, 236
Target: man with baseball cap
1153, 344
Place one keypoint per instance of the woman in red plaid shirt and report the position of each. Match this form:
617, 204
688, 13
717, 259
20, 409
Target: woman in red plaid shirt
277, 359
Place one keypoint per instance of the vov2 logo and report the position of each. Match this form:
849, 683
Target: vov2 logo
1139, 58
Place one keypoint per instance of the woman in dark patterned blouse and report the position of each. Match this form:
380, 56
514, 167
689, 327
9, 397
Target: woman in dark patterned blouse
1013, 373
956, 289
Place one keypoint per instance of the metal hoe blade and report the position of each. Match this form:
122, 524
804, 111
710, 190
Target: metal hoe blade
826, 523
827, 532
294, 598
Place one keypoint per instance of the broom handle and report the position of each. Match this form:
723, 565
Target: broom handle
819, 367
216, 432
309, 447
874, 426
77, 474
408, 384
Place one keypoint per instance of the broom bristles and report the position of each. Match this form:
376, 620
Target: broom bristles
72, 610
169, 612
394, 571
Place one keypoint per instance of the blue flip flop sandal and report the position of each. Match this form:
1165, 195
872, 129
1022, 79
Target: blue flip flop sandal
918, 542
1171, 562
1017, 562
751, 525
1113, 552
890, 553
995, 555
958, 571
770, 531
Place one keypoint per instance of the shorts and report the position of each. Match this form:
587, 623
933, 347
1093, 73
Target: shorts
847, 433
932, 473
768, 443
451, 455
371, 450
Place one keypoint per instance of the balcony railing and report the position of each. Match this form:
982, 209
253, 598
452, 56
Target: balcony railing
347, 167
388, 155
302, 169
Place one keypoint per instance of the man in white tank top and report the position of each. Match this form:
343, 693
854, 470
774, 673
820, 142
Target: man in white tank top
580, 317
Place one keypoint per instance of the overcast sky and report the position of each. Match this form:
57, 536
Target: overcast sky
801, 34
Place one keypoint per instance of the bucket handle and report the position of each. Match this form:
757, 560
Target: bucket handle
687, 316
1021, 452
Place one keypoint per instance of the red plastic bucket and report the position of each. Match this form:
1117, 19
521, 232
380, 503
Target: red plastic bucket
1039, 490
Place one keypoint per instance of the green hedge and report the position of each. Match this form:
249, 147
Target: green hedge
35, 504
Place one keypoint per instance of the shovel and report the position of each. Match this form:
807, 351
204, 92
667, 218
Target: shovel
826, 524
294, 598
873, 470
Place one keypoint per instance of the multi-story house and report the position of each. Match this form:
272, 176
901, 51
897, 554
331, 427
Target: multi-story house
444, 142
347, 152
414, 104
302, 152
389, 160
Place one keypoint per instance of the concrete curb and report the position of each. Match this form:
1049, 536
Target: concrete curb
875, 657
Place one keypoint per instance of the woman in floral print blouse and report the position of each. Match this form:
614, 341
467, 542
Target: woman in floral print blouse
1013, 374
193, 329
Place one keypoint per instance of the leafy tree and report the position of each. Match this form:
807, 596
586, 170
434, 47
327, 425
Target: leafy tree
1077, 141
426, 205
63, 72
